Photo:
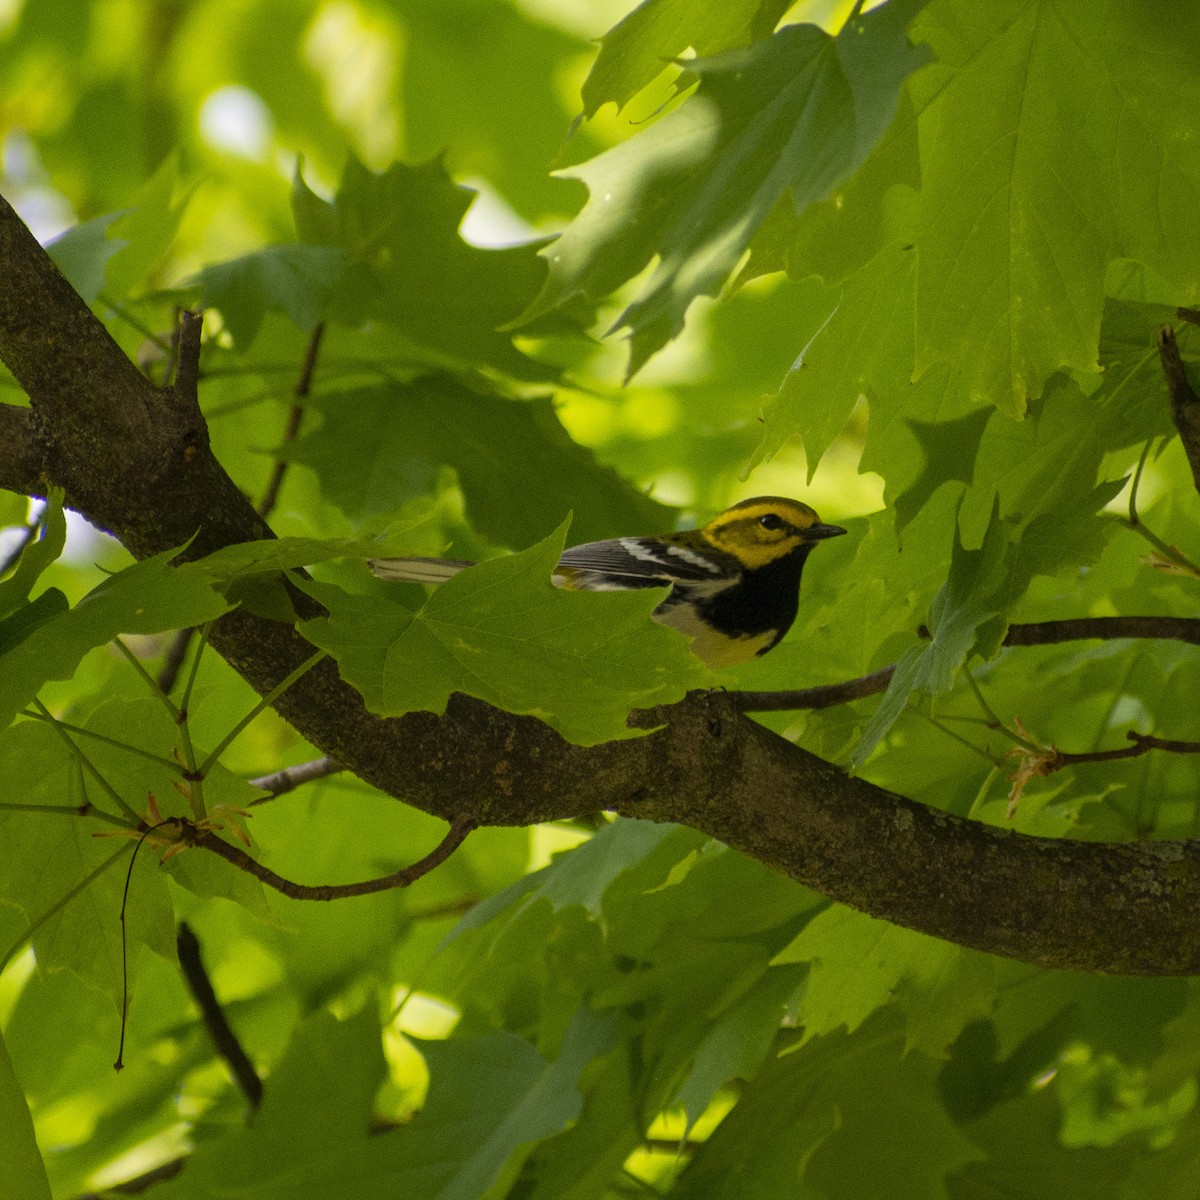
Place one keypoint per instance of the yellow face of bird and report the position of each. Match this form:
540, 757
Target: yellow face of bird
767, 528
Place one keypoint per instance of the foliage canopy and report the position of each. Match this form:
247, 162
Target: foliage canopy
910, 264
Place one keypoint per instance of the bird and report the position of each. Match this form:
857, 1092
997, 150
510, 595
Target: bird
735, 582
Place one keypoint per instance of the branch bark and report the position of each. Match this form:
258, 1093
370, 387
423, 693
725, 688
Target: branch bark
135, 460
1185, 404
215, 1021
22, 463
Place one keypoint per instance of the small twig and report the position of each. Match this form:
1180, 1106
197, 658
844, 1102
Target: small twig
219, 1029
187, 371
1071, 629
279, 782
825, 696
1037, 633
1191, 315
1143, 743
455, 836
1185, 404
1035, 761
174, 659
295, 416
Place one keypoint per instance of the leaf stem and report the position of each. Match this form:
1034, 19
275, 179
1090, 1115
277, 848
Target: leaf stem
970, 745
186, 699
137, 324
151, 682
194, 774
69, 810
162, 760
62, 902
87, 763
993, 720
264, 703
1137, 481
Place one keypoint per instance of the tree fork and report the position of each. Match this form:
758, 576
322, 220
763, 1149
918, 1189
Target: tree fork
135, 460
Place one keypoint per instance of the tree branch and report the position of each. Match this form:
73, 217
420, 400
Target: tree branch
207, 840
213, 1015
280, 782
295, 416
1047, 633
825, 696
1185, 404
1038, 633
136, 465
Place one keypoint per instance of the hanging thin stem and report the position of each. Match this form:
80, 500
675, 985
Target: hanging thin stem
119, 1064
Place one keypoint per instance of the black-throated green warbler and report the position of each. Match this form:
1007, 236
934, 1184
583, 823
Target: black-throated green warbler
735, 583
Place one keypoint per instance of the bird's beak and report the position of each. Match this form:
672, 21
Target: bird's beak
816, 533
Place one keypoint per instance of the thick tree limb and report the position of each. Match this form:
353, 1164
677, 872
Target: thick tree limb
1119, 908
21, 460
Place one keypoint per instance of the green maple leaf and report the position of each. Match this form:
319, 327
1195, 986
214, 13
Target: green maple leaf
1050, 132
379, 447
793, 114
636, 50
413, 269
21, 1169
502, 632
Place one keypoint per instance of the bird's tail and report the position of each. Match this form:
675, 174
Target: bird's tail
417, 570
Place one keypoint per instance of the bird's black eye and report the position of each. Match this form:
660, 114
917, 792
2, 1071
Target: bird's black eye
771, 521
